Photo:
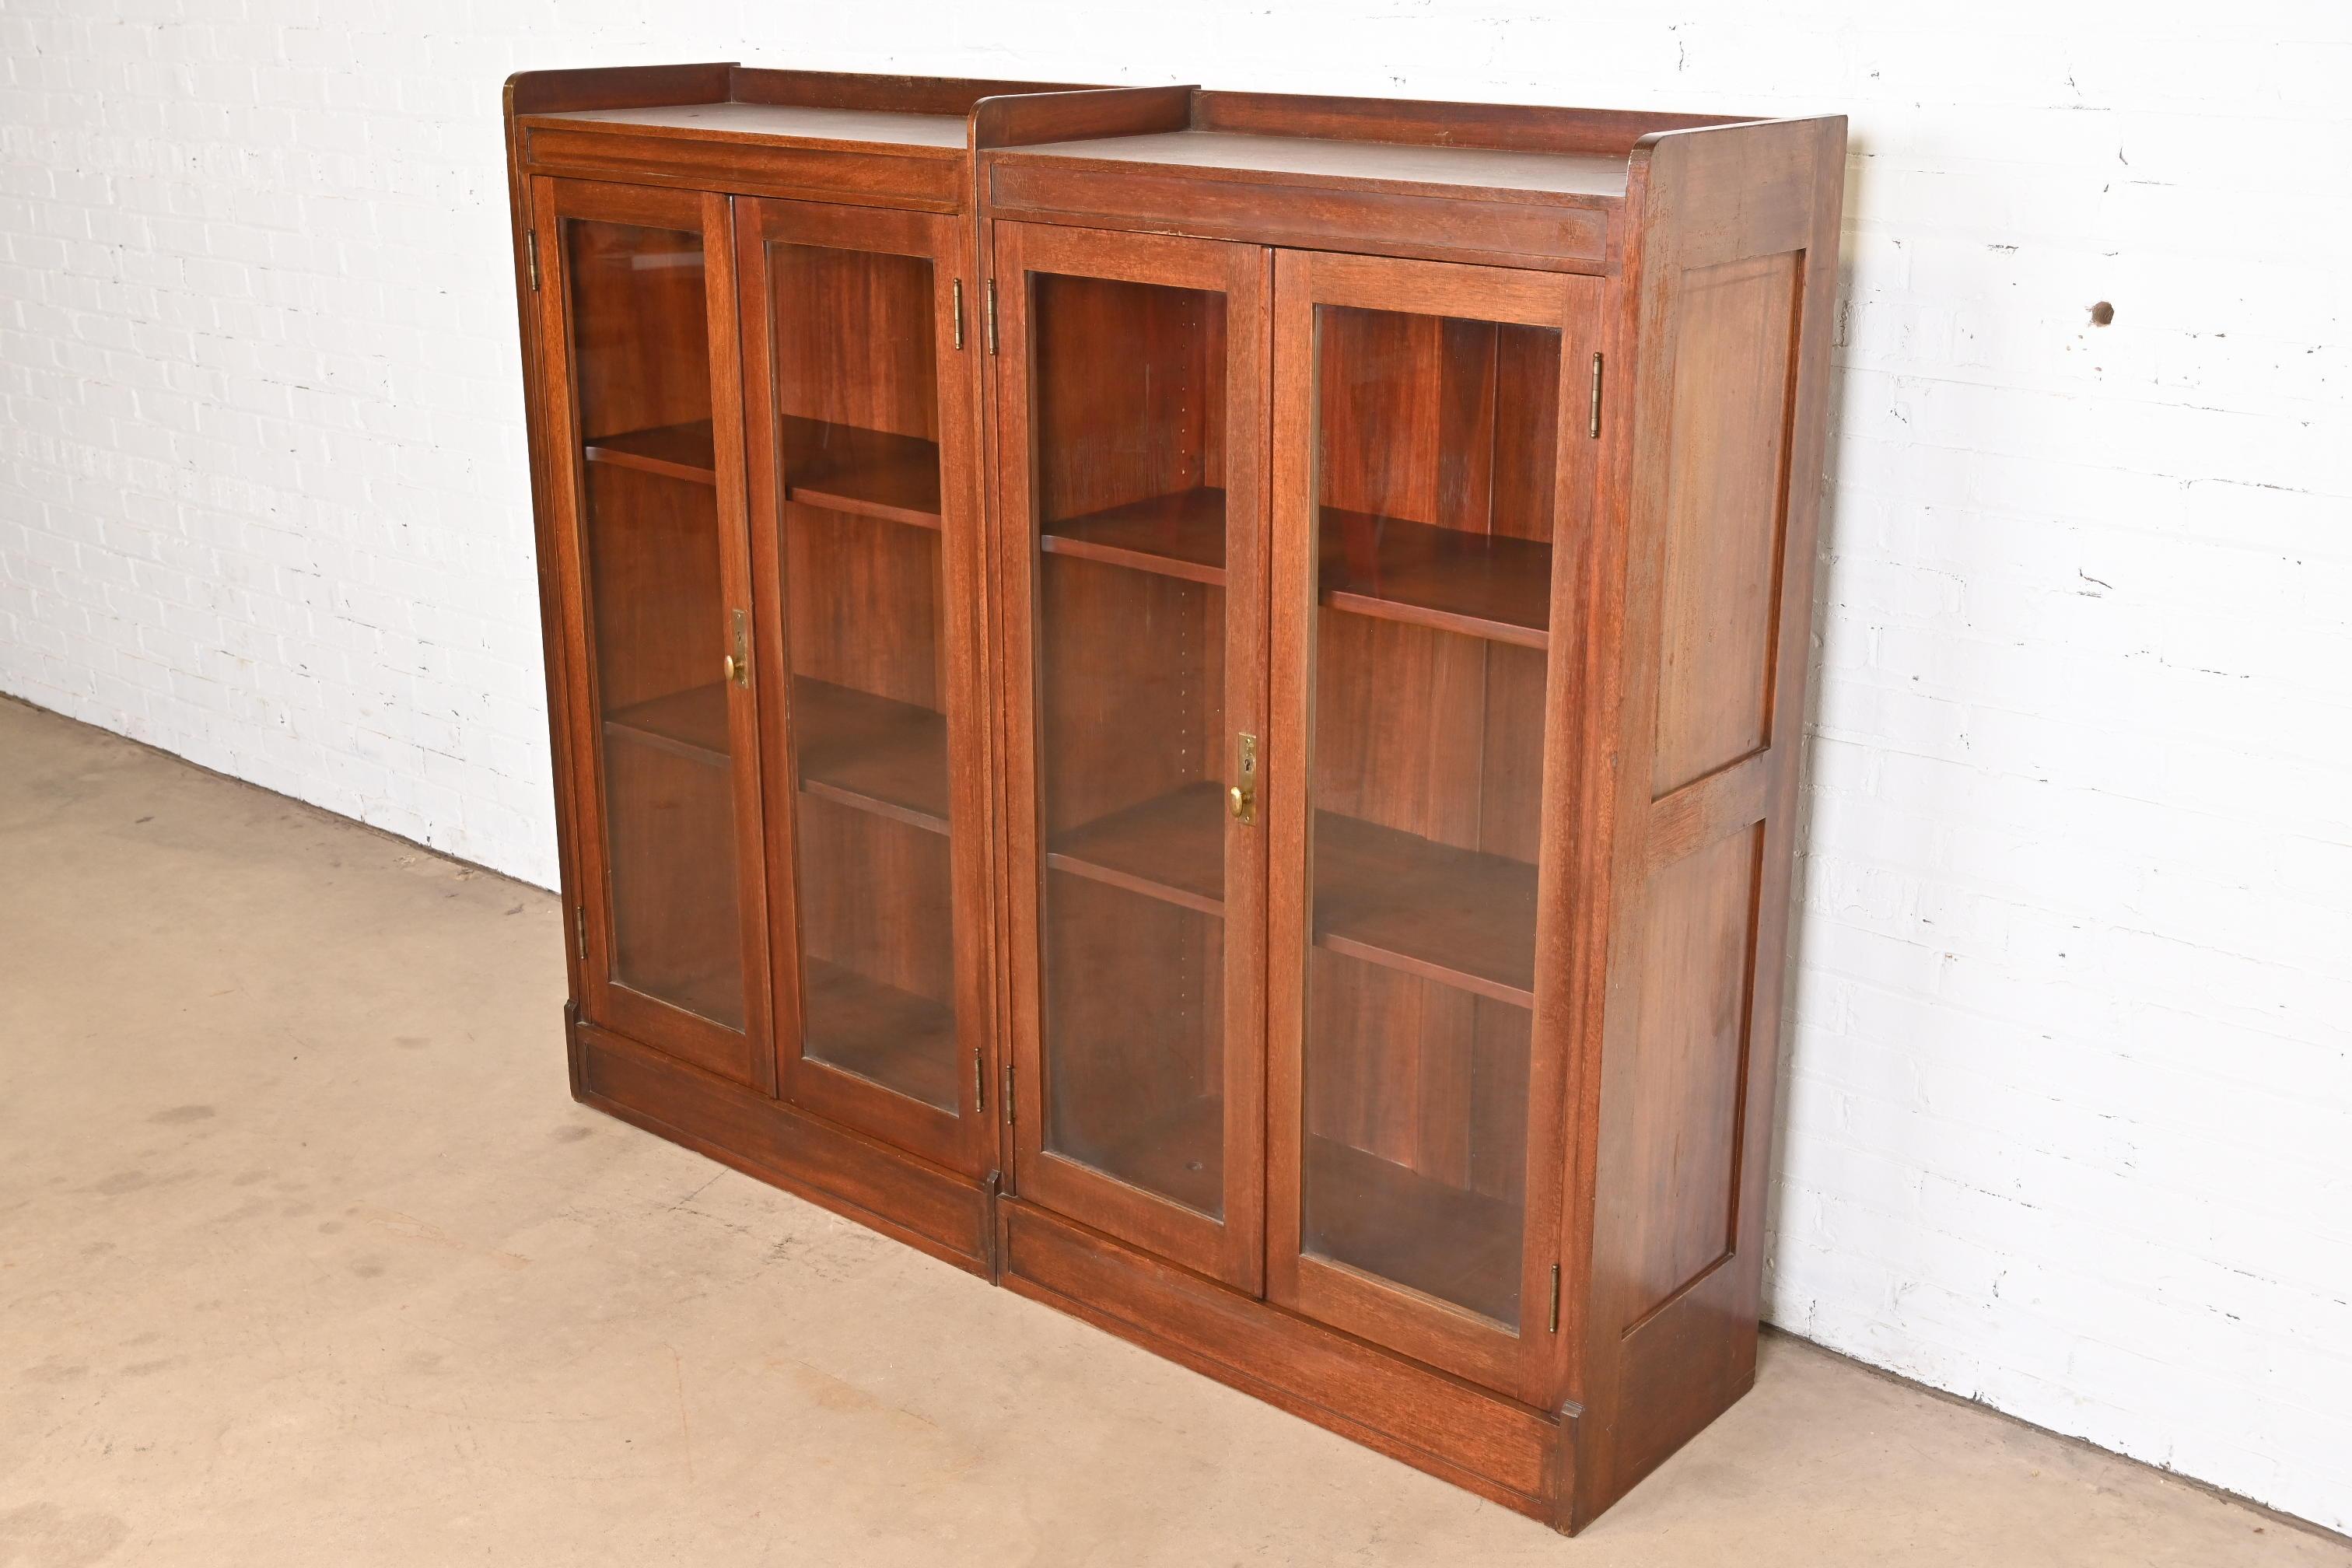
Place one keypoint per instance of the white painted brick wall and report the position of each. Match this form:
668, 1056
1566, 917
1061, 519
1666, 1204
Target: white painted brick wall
2069, 1087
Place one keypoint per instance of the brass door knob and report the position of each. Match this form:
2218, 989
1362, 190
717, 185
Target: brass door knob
738, 663
1244, 801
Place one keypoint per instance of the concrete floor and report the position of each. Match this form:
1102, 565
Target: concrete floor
306, 1257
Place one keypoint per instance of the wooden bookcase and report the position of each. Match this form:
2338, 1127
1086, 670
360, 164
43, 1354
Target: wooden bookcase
1191, 702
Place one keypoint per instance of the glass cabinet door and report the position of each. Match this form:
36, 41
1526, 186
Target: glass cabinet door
1129, 426
637, 323
860, 415
1418, 517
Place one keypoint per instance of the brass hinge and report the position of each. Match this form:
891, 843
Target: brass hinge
580, 927
1008, 1094
979, 1085
1554, 1324
992, 315
955, 293
531, 254
1592, 427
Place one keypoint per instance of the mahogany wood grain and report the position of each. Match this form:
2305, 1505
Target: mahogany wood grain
1391, 391
864, 474
1179, 534
938, 1211
1488, 995
680, 451
774, 125
650, 566
617, 86
1560, 232
1020, 119
1434, 1422
548, 455
881, 92
1131, 368
914, 173
1722, 316
1438, 123
893, 140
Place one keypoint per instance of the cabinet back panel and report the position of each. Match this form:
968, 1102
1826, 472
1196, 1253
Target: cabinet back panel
1426, 1076
653, 553
1438, 420
874, 897
640, 334
1510, 819
1416, 1154
1128, 388
862, 605
1135, 1018
853, 338
1131, 686
670, 843
1429, 733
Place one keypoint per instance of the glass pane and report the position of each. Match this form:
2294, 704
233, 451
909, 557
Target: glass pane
1127, 415
1435, 474
858, 427
641, 358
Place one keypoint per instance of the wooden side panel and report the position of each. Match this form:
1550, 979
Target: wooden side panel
1690, 1053
1726, 514
1713, 421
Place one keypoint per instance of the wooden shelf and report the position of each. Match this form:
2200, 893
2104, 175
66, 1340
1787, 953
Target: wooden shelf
1376, 1216
1178, 1155
1455, 916
904, 1042
1171, 846
854, 749
871, 473
691, 723
1177, 535
1482, 585
872, 753
679, 451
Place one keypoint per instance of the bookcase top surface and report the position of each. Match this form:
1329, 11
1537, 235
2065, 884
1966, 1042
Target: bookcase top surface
1241, 154
774, 124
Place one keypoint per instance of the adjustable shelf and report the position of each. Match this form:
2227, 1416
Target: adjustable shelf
870, 473
1481, 585
872, 753
1170, 847
1177, 535
1449, 1243
1484, 584
855, 749
899, 1040
691, 723
1176, 1154
1455, 916
677, 451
